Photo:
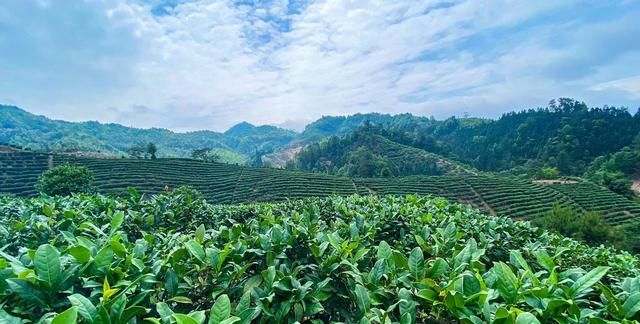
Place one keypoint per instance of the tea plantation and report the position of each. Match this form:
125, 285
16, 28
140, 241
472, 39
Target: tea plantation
173, 258
229, 184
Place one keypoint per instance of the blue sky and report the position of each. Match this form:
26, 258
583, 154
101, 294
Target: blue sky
191, 64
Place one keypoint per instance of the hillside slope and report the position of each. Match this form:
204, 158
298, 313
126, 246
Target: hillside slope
567, 135
226, 184
21, 128
366, 153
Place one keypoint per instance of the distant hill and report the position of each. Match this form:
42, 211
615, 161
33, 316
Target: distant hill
39, 133
566, 135
366, 153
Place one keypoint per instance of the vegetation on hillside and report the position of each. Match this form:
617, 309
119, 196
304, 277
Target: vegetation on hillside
173, 258
567, 135
367, 153
65, 180
38, 133
588, 227
229, 184
616, 171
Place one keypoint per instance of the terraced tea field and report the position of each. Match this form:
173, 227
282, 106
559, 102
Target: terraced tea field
227, 184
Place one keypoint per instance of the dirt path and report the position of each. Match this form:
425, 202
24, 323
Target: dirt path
636, 185
547, 182
484, 203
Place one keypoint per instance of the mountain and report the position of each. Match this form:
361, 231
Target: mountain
567, 135
19, 127
366, 153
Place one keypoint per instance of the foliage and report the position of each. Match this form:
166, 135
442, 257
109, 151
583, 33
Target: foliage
152, 150
137, 151
614, 172
589, 227
42, 134
567, 135
205, 154
548, 173
64, 180
227, 184
141, 151
367, 153
355, 260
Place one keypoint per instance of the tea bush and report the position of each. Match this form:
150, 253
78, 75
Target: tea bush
412, 259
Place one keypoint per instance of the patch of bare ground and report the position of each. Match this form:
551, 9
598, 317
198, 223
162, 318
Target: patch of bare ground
636, 185
549, 182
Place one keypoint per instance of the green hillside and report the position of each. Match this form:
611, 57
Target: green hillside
19, 127
366, 153
227, 184
567, 135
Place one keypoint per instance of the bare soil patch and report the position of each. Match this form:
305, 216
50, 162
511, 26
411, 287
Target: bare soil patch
548, 182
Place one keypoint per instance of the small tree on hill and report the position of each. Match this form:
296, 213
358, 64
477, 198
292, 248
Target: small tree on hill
205, 154
64, 180
152, 150
548, 173
137, 151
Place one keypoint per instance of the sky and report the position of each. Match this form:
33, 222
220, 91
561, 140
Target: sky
190, 64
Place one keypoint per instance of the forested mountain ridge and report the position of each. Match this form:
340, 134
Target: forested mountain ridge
566, 135
366, 153
21, 128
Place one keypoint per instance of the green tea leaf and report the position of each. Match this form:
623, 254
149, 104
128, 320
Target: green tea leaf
632, 305
80, 253
9, 319
86, 309
196, 250
545, 260
69, 316
416, 263
363, 300
200, 233
117, 220
47, 264
103, 258
221, 310
464, 257
384, 251
184, 319
27, 291
585, 282
181, 300
506, 282
439, 268
526, 318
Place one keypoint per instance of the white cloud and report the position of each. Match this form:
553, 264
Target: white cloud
210, 64
629, 86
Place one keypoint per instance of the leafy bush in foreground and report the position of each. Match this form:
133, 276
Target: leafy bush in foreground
97, 259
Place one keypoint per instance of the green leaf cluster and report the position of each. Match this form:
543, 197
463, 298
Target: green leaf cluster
137, 259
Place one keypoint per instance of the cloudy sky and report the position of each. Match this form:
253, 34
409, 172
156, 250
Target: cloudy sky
188, 64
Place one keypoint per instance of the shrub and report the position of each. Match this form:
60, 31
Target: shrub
588, 227
548, 173
65, 180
